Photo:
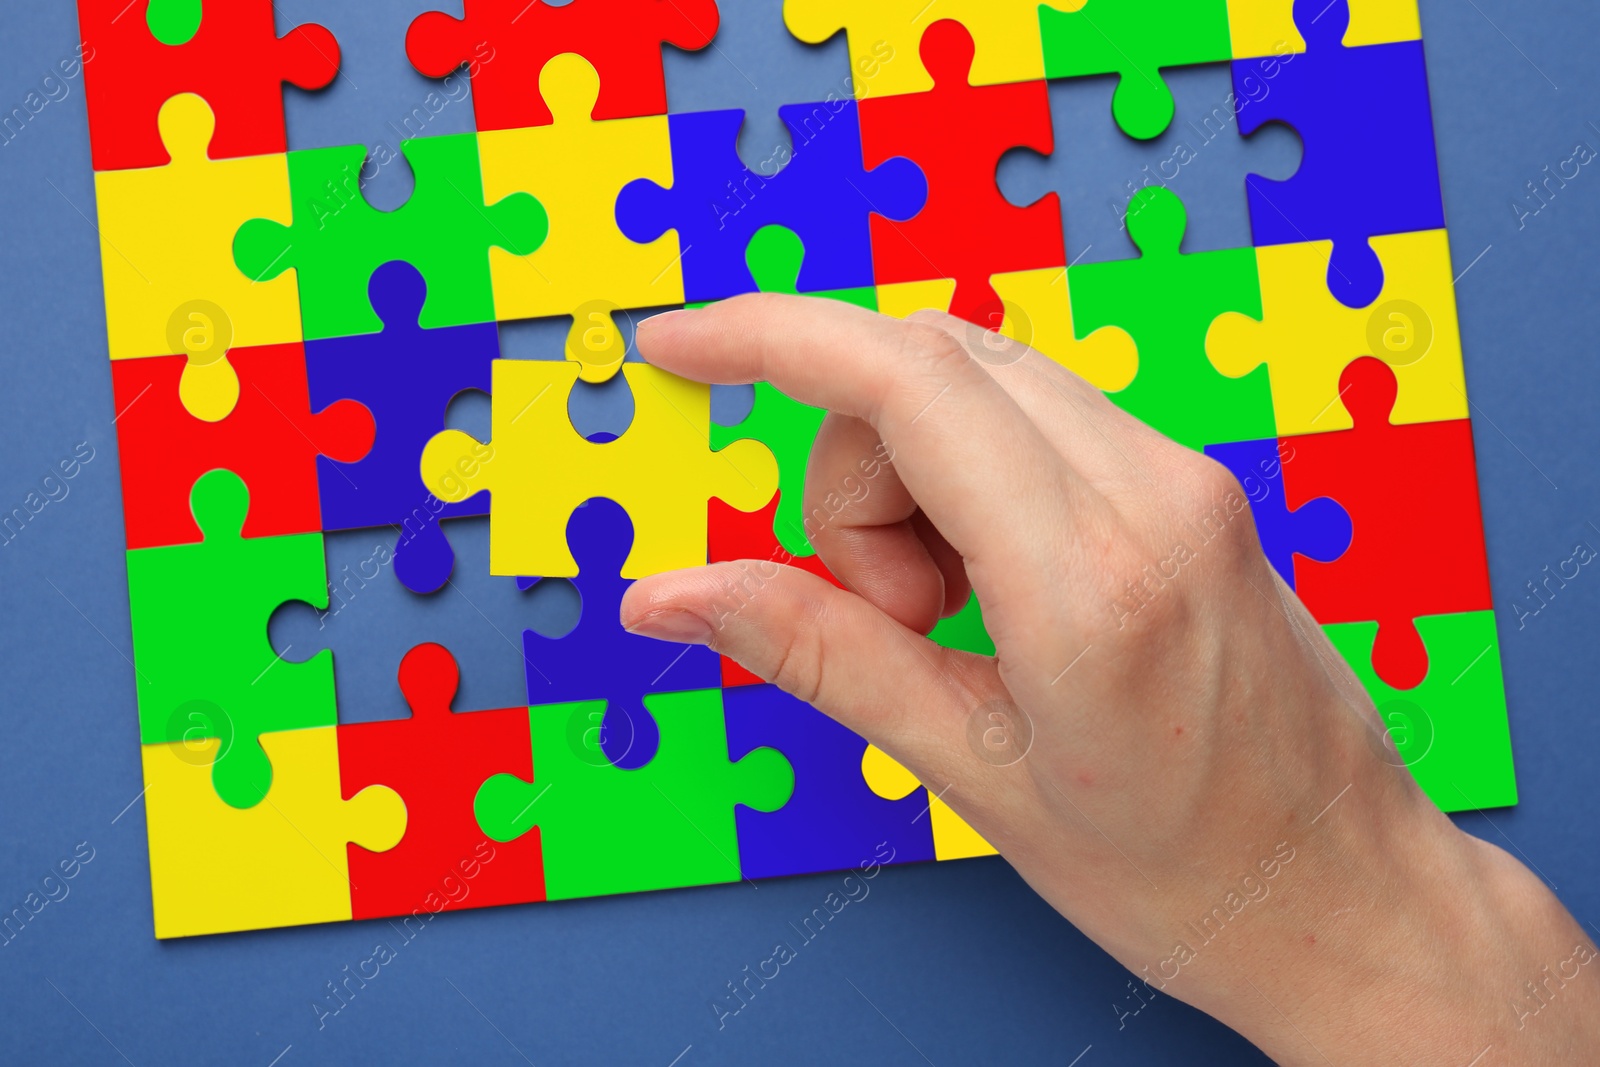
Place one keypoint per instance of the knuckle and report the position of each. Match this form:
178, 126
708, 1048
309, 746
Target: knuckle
799, 666
932, 350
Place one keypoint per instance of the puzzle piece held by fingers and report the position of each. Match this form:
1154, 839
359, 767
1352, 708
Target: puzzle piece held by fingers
537, 469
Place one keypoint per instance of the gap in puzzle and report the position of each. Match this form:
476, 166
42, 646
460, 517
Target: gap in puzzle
285, 373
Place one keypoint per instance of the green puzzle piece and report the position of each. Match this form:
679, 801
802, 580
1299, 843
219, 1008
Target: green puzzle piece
173, 22
1452, 729
337, 239
1135, 41
205, 668
1167, 300
786, 426
605, 830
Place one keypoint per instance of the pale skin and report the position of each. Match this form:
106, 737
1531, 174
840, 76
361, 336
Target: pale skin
1180, 751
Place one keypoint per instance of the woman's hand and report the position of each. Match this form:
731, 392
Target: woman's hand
1203, 790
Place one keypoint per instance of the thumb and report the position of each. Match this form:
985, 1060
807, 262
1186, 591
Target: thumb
824, 645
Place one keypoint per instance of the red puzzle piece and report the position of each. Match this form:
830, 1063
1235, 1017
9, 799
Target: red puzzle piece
732, 534
235, 60
271, 439
436, 760
957, 133
1412, 494
506, 43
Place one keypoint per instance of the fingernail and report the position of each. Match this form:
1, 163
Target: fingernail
653, 320
683, 627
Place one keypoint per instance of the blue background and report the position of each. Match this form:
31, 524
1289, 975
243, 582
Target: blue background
950, 963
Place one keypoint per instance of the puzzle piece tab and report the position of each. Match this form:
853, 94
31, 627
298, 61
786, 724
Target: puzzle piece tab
953, 839
406, 376
1412, 495
215, 868
506, 44
1319, 530
1266, 27
599, 660
883, 38
166, 254
833, 821
1307, 337
337, 239
436, 760
537, 469
1134, 41
233, 59
823, 193
205, 668
1369, 166
1166, 300
586, 268
967, 230
271, 439
1451, 728
607, 830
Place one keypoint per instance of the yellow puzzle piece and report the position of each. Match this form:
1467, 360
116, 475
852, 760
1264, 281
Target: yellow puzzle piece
215, 868
1266, 27
576, 167
953, 839
538, 469
884, 38
1307, 338
900, 299
166, 250
1038, 313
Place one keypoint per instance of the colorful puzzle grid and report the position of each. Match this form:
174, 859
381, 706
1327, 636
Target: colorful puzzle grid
283, 356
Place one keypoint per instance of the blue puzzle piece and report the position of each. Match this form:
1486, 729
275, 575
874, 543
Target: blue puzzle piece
598, 659
823, 194
834, 821
1319, 530
406, 376
1369, 168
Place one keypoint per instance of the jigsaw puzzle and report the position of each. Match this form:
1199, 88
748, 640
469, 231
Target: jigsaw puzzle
295, 376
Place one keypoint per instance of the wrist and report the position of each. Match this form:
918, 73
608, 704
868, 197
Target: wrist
1401, 939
